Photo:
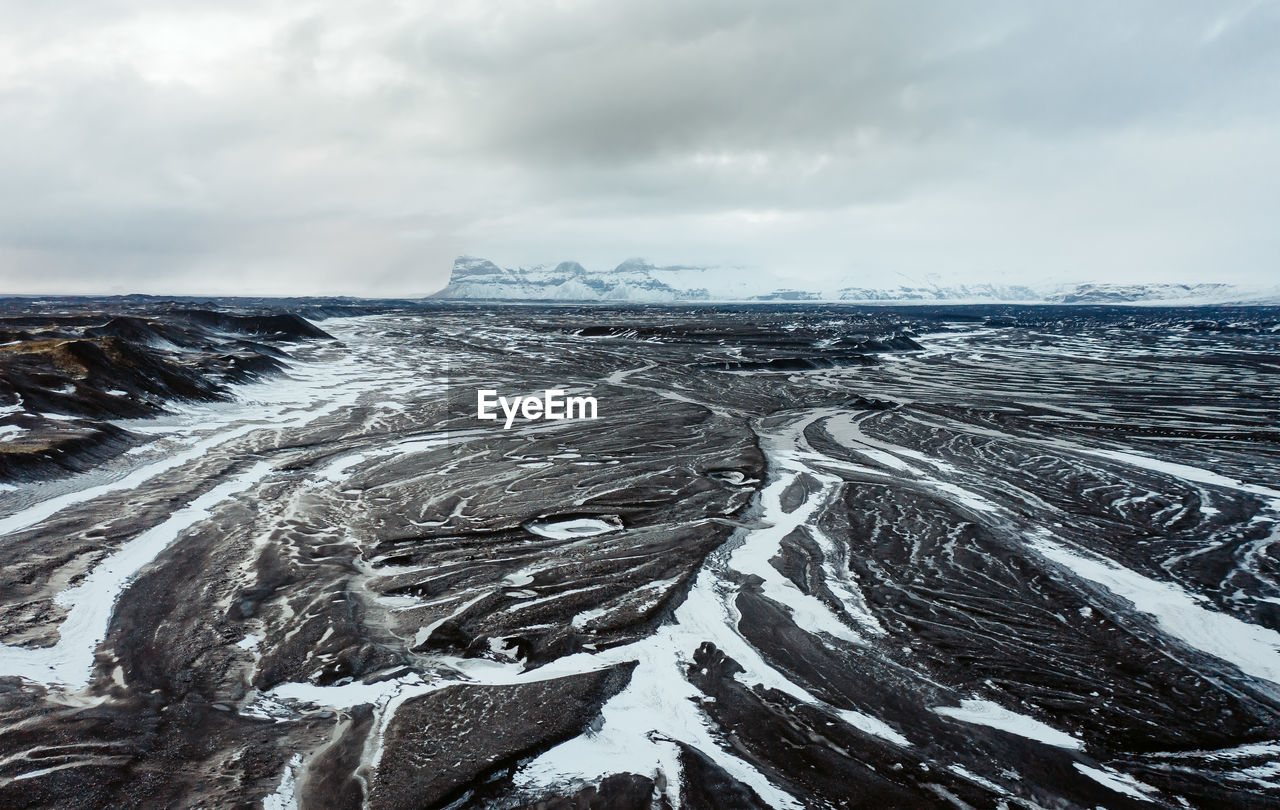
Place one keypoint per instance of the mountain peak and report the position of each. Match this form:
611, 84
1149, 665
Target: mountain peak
634, 265
473, 266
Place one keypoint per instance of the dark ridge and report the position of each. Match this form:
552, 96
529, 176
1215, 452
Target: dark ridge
68, 367
281, 327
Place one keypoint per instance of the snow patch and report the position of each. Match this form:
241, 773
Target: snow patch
574, 528
1119, 782
1255, 650
993, 715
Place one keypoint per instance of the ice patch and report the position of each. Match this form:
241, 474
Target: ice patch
873, 726
1119, 782
10, 432
574, 527
965, 773
285, 797
347, 695
986, 713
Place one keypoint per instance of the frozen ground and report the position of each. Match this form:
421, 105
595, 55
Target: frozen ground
805, 558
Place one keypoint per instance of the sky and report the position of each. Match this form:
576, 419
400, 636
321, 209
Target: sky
356, 148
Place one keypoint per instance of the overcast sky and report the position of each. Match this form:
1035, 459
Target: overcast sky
354, 147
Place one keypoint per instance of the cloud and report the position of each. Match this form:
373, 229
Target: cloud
291, 146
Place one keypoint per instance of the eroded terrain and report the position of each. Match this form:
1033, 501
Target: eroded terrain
806, 557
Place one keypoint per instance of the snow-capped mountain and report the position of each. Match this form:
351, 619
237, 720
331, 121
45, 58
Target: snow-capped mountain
633, 280
636, 280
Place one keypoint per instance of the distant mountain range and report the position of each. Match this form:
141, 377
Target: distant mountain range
1142, 293
975, 292
636, 280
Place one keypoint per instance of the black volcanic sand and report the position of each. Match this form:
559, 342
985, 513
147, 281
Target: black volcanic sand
840, 557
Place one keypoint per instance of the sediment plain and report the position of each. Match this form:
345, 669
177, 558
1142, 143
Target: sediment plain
806, 557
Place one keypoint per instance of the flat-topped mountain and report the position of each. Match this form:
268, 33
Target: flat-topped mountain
633, 280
